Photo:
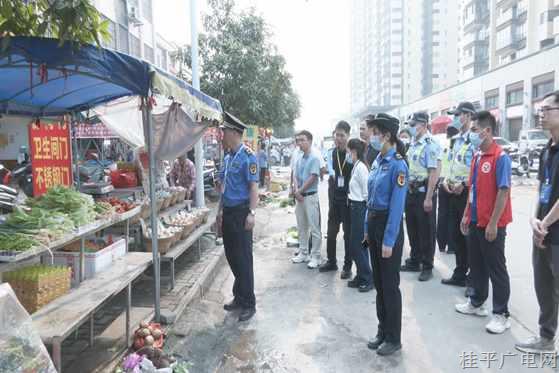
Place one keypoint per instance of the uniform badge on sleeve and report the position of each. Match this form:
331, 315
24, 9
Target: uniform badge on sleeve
253, 169
401, 179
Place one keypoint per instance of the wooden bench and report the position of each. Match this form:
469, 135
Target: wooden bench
57, 320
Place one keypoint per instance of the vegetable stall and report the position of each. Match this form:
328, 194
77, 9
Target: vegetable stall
41, 79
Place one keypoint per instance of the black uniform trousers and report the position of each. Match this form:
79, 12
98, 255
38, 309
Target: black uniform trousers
421, 230
238, 251
457, 205
488, 262
443, 236
338, 213
546, 282
386, 276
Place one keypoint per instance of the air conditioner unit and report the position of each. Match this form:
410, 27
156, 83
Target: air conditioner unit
133, 17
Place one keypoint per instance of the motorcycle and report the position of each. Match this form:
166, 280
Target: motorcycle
524, 162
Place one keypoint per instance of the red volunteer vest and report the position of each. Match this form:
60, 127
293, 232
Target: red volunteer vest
486, 188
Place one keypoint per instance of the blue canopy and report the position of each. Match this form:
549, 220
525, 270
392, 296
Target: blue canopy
40, 79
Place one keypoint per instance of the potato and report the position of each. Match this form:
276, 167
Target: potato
143, 324
149, 340
146, 332
156, 333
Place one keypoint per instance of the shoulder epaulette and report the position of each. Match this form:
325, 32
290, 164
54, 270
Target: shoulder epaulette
248, 150
399, 156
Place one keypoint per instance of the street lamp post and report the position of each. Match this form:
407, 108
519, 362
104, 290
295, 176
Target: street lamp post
198, 149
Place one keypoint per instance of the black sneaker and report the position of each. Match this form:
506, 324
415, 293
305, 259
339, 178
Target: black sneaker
355, 283
454, 281
231, 306
410, 267
426, 275
364, 288
345, 274
375, 343
327, 267
388, 348
246, 314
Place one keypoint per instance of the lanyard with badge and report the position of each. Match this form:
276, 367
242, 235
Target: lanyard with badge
341, 180
228, 165
545, 192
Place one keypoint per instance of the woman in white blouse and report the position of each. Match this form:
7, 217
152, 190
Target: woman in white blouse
358, 190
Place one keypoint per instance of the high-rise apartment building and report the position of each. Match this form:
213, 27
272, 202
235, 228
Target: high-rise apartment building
401, 51
376, 54
430, 47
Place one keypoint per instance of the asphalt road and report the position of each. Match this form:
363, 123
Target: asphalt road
312, 322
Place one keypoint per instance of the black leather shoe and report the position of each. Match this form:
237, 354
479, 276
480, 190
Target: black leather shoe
454, 282
354, 284
246, 314
388, 348
327, 267
345, 275
375, 343
469, 292
231, 306
410, 267
426, 275
364, 288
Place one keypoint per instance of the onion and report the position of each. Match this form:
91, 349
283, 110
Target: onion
149, 340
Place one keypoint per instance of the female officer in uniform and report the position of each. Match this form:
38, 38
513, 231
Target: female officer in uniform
385, 235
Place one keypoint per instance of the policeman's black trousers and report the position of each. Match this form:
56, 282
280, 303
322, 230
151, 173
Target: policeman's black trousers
238, 251
488, 262
421, 230
546, 282
338, 214
457, 205
443, 239
386, 277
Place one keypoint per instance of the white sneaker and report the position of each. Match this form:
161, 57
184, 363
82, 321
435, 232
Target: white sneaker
468, 309
498, 324
313, 264
299, 258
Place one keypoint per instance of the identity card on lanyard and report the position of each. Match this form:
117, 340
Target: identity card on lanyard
341, 179
545, 192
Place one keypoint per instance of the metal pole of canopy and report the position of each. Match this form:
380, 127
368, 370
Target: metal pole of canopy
146, 115
198, 148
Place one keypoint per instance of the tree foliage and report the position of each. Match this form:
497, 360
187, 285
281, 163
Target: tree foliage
67, 20
243, 69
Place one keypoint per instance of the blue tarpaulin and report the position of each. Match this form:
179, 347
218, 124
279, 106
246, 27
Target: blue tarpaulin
39, 78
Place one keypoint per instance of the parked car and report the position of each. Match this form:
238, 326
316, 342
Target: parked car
532, 139
507, 146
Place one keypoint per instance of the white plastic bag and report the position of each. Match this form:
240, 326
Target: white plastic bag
21, 348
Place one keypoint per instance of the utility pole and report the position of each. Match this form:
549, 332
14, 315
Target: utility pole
198, 148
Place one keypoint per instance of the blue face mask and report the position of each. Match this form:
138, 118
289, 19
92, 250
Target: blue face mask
475, 140
413, 131
376, 143
456, 123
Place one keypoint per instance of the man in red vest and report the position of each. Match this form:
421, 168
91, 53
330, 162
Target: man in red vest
486, 217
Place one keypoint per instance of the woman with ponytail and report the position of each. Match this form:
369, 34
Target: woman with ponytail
384, 233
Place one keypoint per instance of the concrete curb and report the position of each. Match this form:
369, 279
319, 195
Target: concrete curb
200, 287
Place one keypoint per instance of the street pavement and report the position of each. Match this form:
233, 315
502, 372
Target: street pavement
312, 322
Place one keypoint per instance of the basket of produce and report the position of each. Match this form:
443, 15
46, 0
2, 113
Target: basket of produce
181, 194
166, 237
174, 196
35, 286
186, 220
148, 335
18, 246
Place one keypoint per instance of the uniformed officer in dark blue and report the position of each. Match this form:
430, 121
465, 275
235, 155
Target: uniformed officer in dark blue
388, 186
423, 156
239, 187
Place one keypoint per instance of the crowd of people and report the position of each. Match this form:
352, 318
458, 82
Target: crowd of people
457, 198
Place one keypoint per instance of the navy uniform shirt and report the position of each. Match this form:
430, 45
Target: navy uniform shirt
240, 168
388, 186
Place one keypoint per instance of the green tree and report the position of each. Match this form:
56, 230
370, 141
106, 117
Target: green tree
243, 69
66, 20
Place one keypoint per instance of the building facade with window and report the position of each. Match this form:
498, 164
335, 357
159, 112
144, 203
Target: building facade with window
131, 26
512, 92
